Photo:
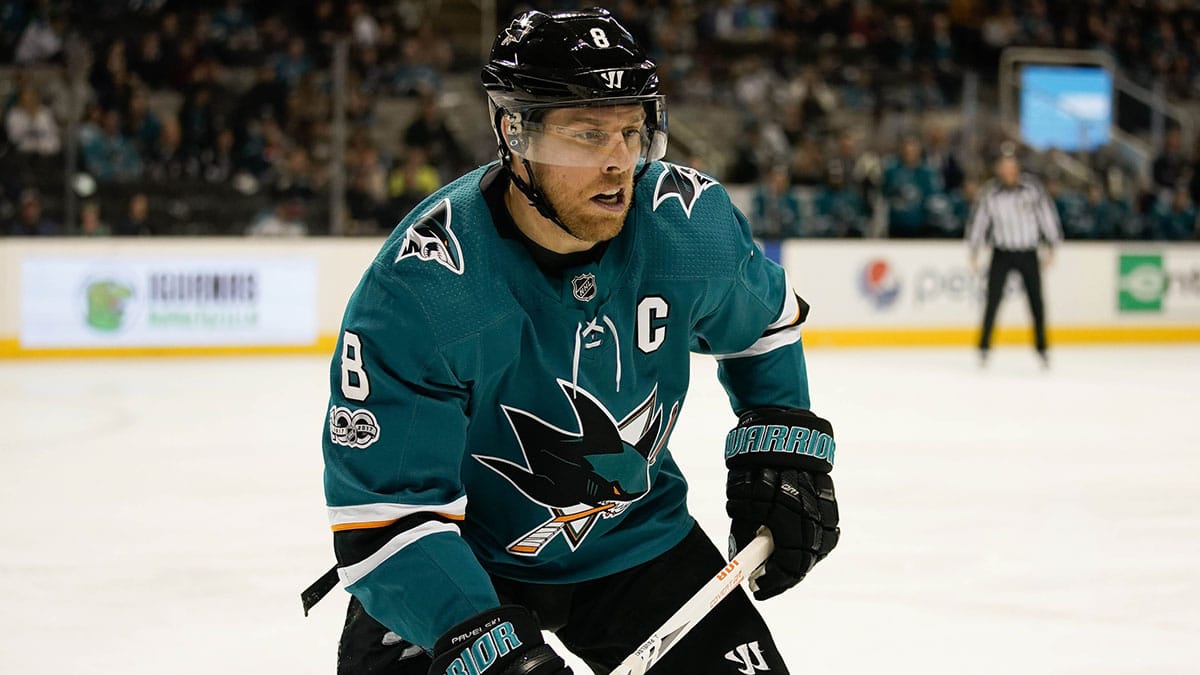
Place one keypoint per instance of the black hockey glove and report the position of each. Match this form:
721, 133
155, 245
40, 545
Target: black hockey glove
502, 641
779, 461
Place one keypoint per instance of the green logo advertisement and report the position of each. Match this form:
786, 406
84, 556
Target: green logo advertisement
106, 302
1142, 283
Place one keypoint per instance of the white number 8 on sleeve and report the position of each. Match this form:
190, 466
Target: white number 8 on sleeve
355, 385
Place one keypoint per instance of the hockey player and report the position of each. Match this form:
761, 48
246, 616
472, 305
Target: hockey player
509, 372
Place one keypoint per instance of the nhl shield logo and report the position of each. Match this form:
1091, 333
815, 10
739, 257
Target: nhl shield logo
583, 286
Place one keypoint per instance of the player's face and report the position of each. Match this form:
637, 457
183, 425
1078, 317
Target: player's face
588, 157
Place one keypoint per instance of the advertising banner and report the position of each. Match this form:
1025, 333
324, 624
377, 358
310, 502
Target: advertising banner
69, 301
890, 285
932, 285
1163, 283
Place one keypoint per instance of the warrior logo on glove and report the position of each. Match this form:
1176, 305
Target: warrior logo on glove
795, 440
779, 462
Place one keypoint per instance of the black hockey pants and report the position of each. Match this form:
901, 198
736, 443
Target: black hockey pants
604, 620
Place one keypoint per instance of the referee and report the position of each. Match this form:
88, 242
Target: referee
1014, 215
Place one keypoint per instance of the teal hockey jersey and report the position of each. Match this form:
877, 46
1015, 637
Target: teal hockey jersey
492, 416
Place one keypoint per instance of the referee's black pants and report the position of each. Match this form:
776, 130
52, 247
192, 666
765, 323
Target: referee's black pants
1025, 262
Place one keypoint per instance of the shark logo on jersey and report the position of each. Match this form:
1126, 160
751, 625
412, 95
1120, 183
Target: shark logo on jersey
582, 476
430, 238
682, 183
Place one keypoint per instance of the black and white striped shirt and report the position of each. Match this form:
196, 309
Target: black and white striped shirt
1013, 218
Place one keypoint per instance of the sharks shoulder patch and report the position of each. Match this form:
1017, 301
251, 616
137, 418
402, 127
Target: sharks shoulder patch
431, 238
682, 183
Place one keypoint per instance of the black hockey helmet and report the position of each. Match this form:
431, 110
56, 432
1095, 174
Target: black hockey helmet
569, 59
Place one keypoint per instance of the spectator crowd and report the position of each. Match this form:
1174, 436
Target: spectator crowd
839, 117
215, 117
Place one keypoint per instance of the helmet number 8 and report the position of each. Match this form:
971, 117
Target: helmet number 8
599, 38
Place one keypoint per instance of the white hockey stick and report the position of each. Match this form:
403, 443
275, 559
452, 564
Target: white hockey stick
738, 570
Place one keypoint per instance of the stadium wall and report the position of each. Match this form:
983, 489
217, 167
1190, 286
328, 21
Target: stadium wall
78, 297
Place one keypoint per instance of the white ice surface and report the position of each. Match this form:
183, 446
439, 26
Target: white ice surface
161, 516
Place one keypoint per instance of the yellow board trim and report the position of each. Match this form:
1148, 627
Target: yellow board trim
968, 337
10, 348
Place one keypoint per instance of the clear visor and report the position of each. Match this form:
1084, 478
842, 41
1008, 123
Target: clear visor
618, 132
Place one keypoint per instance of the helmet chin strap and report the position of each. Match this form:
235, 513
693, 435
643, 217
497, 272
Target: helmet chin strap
534, 194
537, 199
